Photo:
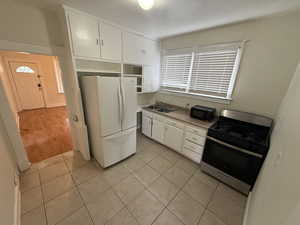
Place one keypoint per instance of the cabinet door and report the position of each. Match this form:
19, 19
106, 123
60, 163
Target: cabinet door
111, 42
173, 137
147, 126
150, 79
150, 52
85, 35
132, 48
158, 130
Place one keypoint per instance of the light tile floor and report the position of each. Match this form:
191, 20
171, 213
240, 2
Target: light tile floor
156, 186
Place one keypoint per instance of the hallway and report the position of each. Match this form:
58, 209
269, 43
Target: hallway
45, 132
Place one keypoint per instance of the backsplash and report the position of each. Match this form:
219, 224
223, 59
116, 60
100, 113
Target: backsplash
183, 102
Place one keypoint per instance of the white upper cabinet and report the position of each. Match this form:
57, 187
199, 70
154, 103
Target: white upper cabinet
111, 42
85, 35
131, 48
139, 50
150, 78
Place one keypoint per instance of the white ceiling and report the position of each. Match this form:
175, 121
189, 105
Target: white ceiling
170, 17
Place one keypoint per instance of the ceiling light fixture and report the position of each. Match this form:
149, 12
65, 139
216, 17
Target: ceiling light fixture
146, 4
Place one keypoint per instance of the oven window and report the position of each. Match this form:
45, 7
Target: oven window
237, 164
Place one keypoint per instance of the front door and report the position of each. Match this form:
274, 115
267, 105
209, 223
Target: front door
28, 84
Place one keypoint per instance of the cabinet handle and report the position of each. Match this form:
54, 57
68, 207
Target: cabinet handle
97, 41
102, 42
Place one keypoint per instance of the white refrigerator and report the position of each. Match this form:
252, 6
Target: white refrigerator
110, 105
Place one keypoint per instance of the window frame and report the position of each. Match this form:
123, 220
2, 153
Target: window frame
220, 99
58, 75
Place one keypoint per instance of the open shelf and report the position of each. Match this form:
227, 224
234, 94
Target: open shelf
132, 75
97, 67
132, 70
96, 71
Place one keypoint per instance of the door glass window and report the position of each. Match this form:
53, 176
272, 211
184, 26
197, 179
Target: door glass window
24, 69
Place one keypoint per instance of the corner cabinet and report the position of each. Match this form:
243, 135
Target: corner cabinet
139, 50
150, 78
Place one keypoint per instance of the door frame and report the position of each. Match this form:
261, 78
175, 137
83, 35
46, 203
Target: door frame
72, 94
7, 61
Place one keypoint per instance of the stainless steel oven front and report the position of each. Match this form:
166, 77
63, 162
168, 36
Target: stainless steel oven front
233, 165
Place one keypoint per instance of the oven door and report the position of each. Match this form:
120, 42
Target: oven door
234, 161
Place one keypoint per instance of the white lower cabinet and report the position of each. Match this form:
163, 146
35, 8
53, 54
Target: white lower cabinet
192, 155
182, 138
147, 126
173, 137
158, 130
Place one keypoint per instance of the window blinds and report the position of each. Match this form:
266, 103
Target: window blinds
212, 72
208, 71
175, 71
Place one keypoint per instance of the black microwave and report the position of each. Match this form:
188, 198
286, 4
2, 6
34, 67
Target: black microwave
203, 113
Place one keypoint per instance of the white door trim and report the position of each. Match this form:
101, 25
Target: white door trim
5, 111
7, 61
12, 131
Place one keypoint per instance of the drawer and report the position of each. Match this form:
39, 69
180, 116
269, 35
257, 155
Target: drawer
175, 124
196, 157
159, 118
191, 146
197, 131
200, 140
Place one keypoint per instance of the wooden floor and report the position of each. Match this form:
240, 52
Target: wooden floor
45, 132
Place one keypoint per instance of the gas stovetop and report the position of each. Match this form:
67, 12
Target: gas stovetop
242, 133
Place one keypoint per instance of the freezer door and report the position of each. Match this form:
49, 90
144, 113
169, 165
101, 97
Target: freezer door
117, 147
129, 97
110, 110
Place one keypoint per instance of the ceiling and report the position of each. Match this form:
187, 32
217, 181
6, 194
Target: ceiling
170, 17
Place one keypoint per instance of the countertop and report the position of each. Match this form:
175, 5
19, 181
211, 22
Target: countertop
184, 116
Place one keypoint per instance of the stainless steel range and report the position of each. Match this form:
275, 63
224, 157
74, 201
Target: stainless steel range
236, 147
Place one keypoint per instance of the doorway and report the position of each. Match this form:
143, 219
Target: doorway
28, 84
35, 93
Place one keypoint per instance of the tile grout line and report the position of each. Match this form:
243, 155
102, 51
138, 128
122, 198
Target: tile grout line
181, 189
43, 200
76, 186
133, 173
125, 206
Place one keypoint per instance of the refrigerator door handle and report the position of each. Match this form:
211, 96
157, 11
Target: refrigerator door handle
120, 105
123, 100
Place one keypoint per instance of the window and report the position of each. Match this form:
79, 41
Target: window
60, 87
206, 71
24, 69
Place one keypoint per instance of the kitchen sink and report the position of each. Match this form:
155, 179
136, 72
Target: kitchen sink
161, 108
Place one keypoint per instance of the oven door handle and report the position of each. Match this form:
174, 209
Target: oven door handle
235, 148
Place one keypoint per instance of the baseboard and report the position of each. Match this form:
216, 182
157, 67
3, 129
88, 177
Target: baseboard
17, 208
245, 218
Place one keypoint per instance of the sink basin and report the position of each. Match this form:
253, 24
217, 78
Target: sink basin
160, 108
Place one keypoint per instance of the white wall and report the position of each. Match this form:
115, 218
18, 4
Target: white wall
7, 172
267, 64
25, 23
276, 196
